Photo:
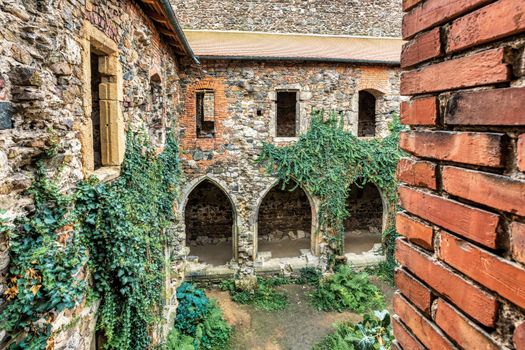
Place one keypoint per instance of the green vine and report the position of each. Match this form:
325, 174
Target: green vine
117, 228
123, 224
326, 160
47, 259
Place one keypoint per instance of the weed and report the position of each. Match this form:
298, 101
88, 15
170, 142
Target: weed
373, 333
263, 297
347, 290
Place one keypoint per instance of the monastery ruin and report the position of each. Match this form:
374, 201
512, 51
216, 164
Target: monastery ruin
227, 77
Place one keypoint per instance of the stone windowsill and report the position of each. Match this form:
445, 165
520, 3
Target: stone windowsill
107, 173
285, 139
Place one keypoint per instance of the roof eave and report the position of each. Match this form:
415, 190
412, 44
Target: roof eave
311, 59
168, 9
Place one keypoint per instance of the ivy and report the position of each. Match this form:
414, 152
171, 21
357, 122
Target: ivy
123, 225
117, 229
47, 259
326, 160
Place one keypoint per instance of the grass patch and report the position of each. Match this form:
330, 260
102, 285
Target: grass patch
263, 297
373, 333
199, 324
347, 290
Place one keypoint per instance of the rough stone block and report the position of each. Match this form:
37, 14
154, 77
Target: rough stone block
6, 115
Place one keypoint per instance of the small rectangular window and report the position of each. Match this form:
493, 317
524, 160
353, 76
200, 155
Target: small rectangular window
96, 80
286, 114
205, 113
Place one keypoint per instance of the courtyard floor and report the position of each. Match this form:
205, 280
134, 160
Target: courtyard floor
356, 242
298, 327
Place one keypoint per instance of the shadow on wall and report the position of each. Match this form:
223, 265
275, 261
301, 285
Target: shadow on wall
363, 227
284, 222
209, 219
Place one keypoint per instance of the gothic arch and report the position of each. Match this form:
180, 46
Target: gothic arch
313, 203
380, 220
192, 185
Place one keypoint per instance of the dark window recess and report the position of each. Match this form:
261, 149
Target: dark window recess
205, 113
367, 114
96, 79
286, 114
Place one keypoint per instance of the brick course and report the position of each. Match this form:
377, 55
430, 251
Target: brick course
417, 173
472, 132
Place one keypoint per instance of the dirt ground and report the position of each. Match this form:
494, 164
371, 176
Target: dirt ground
298, 327
220, 254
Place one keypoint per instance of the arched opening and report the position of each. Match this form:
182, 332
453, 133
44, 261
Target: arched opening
366, 126
364, 225
209, 218
284, 222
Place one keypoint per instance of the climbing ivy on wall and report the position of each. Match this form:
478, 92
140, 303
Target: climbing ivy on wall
326, 160
47, 259
123, 224
117, 228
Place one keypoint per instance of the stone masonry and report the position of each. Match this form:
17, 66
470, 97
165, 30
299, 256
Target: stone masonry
462, 276
45, 98
78, 74
337, 17
245, 95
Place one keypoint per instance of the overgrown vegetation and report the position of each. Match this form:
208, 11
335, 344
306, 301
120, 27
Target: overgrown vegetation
347, 290
199, 323
122, 226
373, 333
345, 159
47, 259
263, 297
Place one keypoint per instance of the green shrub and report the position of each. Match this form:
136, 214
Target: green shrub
347, 290
177, 341
308, 275
263, 297
199, 324
192, 309
373, 333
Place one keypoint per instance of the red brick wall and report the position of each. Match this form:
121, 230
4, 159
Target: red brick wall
462, 246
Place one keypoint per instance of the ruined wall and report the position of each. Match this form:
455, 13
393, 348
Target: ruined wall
43, 101
463, 192
245, 108
208, 216
365, 208
284, 213
339, 17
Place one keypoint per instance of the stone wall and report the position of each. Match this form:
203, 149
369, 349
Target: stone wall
365, 208
45, 99
245, 108
462, 254
284, 213
339, 17
208, 216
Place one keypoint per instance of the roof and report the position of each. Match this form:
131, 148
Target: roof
308, 47
161, 12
